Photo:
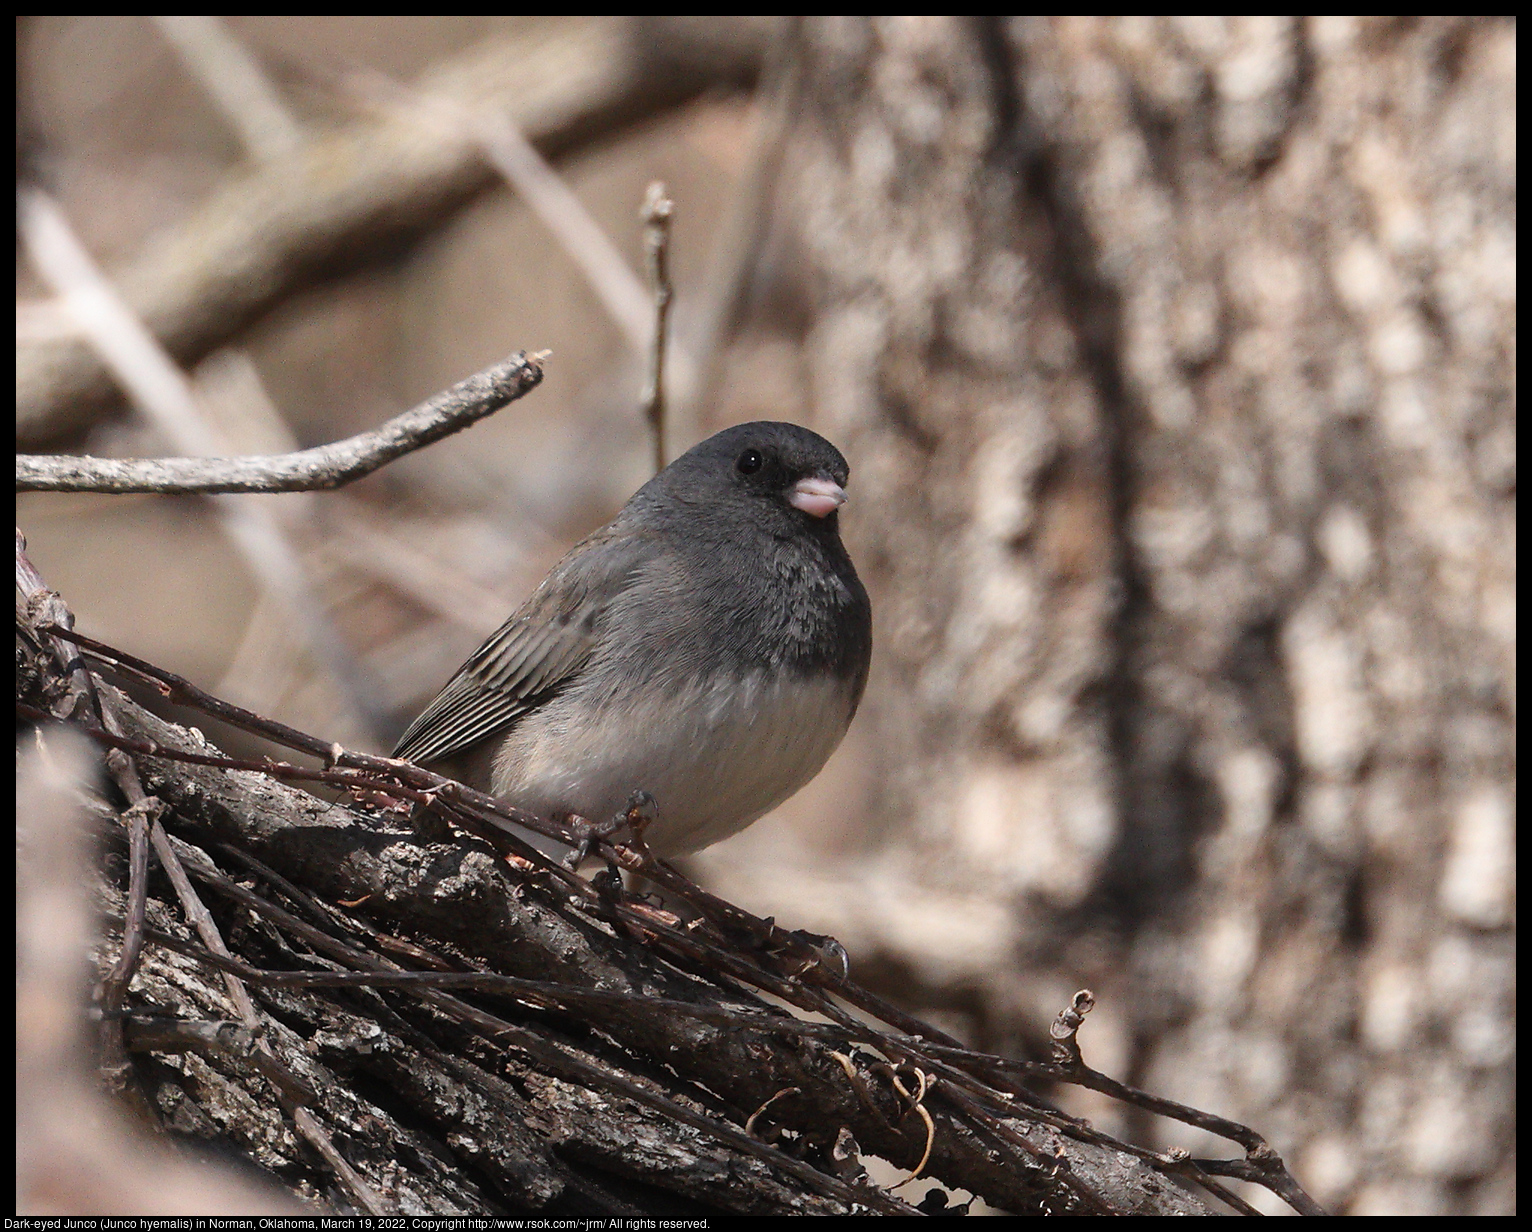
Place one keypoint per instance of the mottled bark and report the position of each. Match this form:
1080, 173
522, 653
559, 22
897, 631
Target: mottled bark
1177, 361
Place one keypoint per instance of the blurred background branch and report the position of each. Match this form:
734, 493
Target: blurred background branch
355, 194
236, 81
162, 392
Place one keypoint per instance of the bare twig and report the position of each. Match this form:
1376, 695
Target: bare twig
1191, 1168
44, 605
541, 993
436, 793
377, 973
1006, 1132
325, 466
114, 988
74, 1151
517, 1036
340, 764
973, 1131
1262, 1160
991, 1107
155, 1033
656, 218
144, 808
202, 920
1261, 1164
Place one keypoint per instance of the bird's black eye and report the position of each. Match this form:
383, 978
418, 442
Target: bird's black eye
749, 462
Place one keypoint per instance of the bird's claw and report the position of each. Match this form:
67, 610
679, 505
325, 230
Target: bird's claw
638, 816
587, 836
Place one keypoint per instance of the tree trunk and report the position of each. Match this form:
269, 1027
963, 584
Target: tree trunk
1177, 362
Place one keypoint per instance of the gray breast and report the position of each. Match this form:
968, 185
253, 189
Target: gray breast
715, 756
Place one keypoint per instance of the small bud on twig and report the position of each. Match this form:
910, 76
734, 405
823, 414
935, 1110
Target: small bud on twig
656, 217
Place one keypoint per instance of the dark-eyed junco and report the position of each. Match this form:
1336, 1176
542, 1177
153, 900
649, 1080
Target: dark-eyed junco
709, 646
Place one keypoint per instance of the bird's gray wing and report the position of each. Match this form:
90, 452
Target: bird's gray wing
540, 648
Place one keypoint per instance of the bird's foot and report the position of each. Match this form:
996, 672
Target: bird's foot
587, 836
640, 813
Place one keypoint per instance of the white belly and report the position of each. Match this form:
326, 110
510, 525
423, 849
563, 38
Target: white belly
714, 759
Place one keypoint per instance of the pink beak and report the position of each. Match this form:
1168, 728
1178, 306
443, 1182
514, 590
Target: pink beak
819, 497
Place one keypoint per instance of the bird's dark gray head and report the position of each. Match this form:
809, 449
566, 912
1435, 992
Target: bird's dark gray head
788, 478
